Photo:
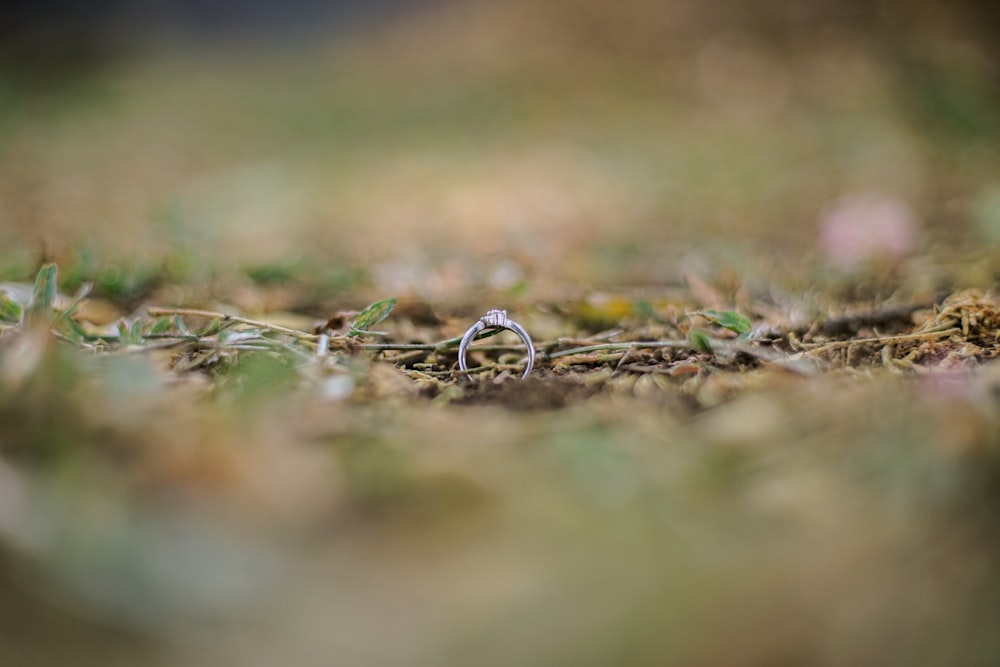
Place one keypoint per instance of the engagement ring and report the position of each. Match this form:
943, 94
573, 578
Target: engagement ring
495, 319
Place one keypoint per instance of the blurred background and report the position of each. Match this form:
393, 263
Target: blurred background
441, 147
305, 157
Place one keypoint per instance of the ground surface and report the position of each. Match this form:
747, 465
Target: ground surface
762, 426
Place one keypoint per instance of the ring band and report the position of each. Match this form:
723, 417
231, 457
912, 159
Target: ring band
495, 319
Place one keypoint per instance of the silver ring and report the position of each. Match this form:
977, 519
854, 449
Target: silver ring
495, 319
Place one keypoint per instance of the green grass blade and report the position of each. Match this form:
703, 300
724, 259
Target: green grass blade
43, 295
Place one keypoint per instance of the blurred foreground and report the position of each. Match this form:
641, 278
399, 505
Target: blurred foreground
756, 246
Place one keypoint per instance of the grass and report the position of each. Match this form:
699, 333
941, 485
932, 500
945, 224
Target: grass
649, 493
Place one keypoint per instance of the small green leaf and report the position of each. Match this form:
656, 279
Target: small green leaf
43, 295
700, 341
66, 315
727, 319
214, 327
135, 332
181, 327
735, 322
10, 311
371, 316
73, 331
161, 325
130, 333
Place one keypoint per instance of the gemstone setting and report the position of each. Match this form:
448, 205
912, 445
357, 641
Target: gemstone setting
495, 318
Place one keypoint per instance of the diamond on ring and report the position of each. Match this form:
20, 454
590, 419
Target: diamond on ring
495, 318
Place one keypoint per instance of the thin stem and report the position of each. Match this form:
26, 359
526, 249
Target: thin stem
434, 347
472, 371
880, 339
193, 312
441, 345
429, 347
634, 345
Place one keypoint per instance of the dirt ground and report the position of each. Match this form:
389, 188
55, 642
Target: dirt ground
758, 257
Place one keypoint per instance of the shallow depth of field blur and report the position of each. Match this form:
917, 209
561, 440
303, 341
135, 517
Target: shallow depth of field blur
181, 489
